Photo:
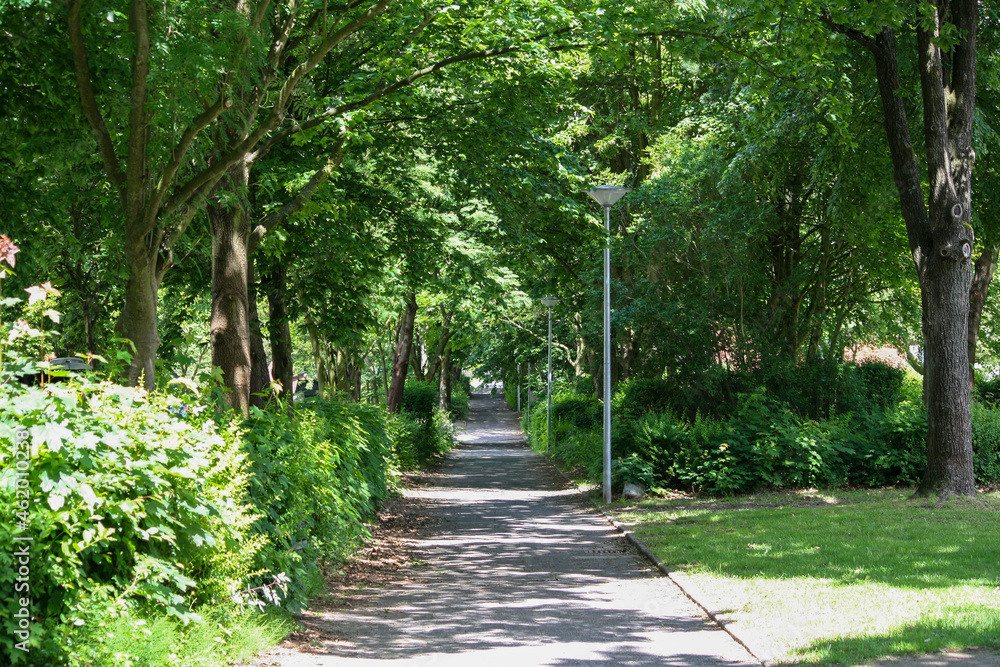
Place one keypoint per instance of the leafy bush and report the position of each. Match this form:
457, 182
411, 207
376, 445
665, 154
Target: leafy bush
986, 443
987, 390
420, 399
459, 406
125, 500
762, 444
638, 396
316, 476
883, 384
582, 412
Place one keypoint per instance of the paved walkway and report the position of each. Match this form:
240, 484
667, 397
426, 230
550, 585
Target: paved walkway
519, 570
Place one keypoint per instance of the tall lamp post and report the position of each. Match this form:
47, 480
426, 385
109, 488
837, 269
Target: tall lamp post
606, 196
549, 302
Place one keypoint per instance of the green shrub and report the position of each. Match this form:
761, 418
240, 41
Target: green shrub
420, 399
415, 442
459, 406
986, 443
128, 499
987, 390
316, 476
638, 396
582, 412
883, 384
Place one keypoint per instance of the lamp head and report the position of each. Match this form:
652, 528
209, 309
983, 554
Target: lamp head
607, 195
549, 301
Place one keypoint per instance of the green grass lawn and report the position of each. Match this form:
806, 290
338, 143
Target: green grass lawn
837, 577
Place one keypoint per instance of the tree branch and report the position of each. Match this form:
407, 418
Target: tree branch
89, 102
393, 87
135, 168
244, 149
276, 217
202, 121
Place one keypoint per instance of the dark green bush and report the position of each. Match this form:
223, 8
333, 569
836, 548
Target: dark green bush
986, 443
987, 390
416, 442
459, 406
638, 396
883, 384
763, 444
420, 399
582, 412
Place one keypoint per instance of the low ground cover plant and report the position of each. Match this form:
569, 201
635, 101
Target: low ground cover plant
836, 577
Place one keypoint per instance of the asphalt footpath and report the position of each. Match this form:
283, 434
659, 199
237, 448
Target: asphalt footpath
518, 569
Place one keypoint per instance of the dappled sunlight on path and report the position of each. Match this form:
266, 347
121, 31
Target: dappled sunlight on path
516, 569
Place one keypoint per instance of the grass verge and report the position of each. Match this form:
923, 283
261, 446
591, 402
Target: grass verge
837, 577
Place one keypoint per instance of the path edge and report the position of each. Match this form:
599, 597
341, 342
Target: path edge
681, 580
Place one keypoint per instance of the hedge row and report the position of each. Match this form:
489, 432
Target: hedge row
762, 441
153, 530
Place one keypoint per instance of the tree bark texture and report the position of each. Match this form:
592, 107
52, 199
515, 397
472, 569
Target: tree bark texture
401, 358
230, 318
139, 316
981, 279
258, 355
278, 331
938, 229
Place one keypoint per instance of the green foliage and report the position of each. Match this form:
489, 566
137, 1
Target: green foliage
986, 443
637, 396
225, 635
420, 399
764, 441
459, 407
128, 500
423, 431
316, 476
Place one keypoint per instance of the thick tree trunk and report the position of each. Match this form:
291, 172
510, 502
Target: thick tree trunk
230, 319
139, 317
278, 330
946, 379
938, 229
401, 358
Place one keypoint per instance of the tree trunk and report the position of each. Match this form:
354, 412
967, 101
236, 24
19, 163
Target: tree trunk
981, 278
938, 229
230, 319
278, 330
139, 317
258, 355
444, 383
401, 358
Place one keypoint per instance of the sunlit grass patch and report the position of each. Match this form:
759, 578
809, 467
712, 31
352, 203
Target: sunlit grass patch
837, 577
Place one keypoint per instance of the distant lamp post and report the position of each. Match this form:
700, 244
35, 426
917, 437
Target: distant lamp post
606, 196
550, 302
518, 387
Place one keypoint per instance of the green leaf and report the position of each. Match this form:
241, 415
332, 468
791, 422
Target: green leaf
88, 495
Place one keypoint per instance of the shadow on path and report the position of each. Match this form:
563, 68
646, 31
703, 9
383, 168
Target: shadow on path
516, 569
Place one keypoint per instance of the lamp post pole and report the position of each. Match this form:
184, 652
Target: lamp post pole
527, 382
550, 302
519, 388
606, 196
